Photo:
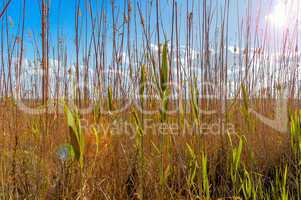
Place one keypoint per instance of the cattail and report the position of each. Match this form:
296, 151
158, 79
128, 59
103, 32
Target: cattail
142, 81
29, 33
164, 71
110, 98
79, 13
164, 78
11, 22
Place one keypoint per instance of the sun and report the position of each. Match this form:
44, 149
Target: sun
284, 13
277, 17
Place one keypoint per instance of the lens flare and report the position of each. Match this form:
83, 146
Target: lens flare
285, 13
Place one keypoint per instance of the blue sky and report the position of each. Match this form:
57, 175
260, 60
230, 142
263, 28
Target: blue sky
62, 16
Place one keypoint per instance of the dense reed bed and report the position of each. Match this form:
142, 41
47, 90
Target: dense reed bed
156, 100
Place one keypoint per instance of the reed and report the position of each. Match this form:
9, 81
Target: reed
196, 72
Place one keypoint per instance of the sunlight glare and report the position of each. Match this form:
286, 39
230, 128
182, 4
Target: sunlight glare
284, 12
